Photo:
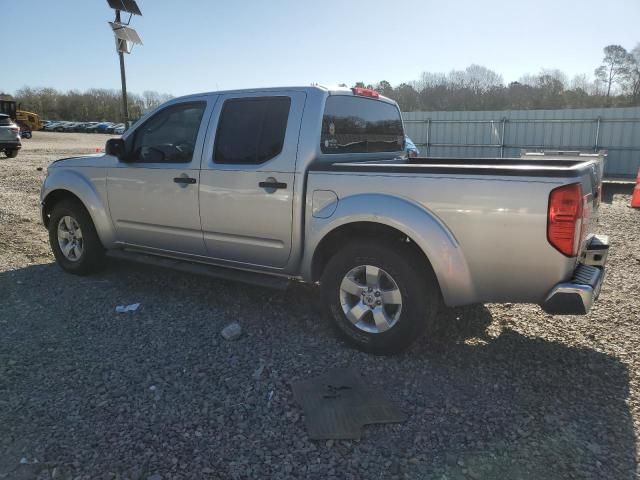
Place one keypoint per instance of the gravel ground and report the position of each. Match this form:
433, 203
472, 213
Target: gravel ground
505, 392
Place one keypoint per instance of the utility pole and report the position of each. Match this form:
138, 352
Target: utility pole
126, 37
123, 78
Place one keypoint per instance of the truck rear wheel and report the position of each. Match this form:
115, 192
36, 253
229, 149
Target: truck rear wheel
381, 295
12, 153
74, 240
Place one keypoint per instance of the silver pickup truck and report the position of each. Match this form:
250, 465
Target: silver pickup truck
313, 184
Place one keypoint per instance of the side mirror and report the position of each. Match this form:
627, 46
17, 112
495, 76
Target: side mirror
115, 147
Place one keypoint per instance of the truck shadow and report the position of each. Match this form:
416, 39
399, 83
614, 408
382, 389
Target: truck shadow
504, 405
547, 409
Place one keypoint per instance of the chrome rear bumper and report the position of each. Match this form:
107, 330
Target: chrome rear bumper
576, 296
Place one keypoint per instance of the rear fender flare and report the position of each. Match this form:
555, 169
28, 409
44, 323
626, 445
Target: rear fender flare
421, 225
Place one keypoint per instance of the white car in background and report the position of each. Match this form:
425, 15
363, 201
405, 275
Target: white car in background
10, 142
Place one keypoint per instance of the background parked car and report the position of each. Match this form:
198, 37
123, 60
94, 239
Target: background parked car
98, 127
25, 131
60, 127
50, 127
84, 126
102, 127
9, 136
119, 130
70, 126
113, 127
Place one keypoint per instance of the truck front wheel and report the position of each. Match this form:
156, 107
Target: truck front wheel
12, 153
73, 238
381, 295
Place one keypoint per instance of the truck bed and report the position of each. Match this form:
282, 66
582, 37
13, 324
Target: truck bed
468, 166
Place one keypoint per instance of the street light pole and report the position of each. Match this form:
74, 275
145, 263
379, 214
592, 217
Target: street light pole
123, 78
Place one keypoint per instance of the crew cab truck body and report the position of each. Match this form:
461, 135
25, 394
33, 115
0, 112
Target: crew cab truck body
312, 184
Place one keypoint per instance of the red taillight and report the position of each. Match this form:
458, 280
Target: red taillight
564, 219
365, 92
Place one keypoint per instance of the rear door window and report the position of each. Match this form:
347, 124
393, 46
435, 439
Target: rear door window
251, 130
360, 125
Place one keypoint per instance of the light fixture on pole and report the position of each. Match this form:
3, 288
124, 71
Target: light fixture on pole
126, 37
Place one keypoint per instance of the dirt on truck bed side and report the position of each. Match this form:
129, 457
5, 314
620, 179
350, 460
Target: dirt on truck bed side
504, 391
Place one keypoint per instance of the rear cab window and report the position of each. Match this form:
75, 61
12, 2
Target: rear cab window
353, 124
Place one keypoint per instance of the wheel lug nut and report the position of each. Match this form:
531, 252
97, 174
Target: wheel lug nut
378, 302
377, 293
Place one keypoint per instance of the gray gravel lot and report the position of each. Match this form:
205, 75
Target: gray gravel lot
505, 391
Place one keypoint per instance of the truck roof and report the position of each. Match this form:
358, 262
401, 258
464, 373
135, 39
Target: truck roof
330, 90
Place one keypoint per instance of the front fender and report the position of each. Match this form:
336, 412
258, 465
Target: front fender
88, 191
421, 225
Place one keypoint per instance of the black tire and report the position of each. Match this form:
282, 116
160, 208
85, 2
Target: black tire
414, 278
92, 257
11, 153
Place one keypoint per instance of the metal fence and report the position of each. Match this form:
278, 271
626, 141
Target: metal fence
506, 133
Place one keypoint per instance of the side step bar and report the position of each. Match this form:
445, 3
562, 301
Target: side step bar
243, 276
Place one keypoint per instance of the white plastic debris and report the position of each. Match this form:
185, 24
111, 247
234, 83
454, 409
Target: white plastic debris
127, 308
231, 331
258, 372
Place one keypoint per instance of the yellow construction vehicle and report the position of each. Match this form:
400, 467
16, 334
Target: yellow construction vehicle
30, 119
26, 120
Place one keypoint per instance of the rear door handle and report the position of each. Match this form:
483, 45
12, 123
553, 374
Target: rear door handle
185, 180
272, 185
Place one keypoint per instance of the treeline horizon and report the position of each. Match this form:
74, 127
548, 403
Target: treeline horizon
95, 104
614, 83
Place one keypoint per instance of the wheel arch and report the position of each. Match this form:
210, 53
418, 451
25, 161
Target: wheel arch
388, 217
66, 185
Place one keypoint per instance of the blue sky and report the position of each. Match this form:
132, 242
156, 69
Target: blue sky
203, 45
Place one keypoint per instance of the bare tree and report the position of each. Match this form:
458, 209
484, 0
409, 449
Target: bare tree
479, 79
581, 82
94, 104
615, 66
430, 80
633, 75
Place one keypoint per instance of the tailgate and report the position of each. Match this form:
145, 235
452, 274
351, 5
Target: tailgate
592, 191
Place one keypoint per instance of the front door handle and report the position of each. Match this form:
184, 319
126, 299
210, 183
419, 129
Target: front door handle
185, 180
272, 184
